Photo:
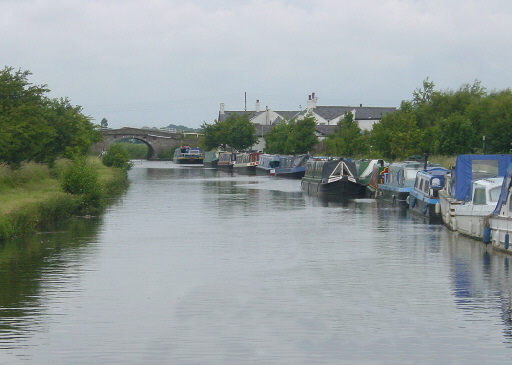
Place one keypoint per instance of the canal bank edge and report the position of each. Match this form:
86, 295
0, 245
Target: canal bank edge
47, 206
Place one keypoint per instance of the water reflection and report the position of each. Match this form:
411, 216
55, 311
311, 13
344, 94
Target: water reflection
202, 266
32, 268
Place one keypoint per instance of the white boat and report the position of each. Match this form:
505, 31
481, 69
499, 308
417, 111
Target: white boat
458, 185
470, 217
500, 221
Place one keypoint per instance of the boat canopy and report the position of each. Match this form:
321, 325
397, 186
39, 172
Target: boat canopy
469, 168
505, 190
323, 169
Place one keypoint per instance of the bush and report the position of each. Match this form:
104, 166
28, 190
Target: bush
81, 178
117, 156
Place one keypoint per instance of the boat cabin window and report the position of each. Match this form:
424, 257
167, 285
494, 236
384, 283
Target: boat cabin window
484, 168
420, 188
426, 187
494, 194
410, 174
479, 196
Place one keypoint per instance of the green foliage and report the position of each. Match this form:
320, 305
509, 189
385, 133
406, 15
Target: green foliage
37, 128
446, 122
117, 156
80, 178
235, 131
349, 140
292, 137
136, 151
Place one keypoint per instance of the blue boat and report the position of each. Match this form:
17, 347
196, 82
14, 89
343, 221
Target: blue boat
459, 186
267, 164
398, 181
188, 155
288, 166
424, 197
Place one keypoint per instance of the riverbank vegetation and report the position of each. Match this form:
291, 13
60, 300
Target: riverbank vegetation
44, 174
35, 195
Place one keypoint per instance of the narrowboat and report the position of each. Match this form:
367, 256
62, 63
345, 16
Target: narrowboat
246, 162
267, 164
226, 160
398, 182
500, 221
457, 189
211, 158
292, 167
471, 216
332, 179
188, 155
368, 172
424, 197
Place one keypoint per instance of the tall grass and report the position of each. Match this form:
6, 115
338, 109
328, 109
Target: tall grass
32, 196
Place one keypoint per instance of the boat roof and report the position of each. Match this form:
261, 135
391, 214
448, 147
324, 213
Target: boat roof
434, 171
469, 168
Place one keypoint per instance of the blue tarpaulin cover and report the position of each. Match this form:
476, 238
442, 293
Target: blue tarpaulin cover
469, 168
504, 191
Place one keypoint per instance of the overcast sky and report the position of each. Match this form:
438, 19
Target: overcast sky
155, 62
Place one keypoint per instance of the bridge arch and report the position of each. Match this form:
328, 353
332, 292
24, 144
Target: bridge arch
151, 154
159, 142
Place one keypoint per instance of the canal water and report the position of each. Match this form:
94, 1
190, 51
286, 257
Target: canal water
197, 266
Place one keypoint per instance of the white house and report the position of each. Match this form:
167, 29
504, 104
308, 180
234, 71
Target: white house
326, 117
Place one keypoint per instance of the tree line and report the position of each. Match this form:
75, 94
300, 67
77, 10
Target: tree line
37, 128
434, 121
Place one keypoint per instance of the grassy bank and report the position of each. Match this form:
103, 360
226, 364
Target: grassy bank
32, 196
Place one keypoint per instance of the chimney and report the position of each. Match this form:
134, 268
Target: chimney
267, 116
257, 108
221, 110
360, 105
312, 99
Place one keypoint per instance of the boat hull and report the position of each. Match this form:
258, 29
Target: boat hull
188, 160
394, 195
501, 227
245, 170
339, 189
211, 164
424, 206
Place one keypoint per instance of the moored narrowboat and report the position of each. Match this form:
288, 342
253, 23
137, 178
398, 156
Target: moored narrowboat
211, 158
424, 197
226, 160
188, 155
368, 173
333, 179
398, 182
267, 164
292, 167
246, 162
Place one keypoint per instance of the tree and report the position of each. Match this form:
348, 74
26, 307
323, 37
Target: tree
104, 123
348, 140
35, 127
292, 137
235, 131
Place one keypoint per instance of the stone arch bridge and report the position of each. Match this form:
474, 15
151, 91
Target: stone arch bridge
159, 142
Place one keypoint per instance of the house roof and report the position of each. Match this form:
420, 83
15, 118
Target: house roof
362, 112
325, 129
